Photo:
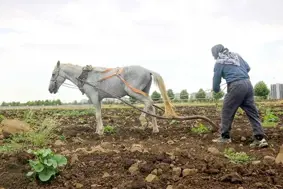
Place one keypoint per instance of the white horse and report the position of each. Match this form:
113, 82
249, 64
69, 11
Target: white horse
133, 81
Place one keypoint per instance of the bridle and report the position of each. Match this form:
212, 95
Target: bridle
54, 79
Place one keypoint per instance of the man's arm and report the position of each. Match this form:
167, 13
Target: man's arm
217, 77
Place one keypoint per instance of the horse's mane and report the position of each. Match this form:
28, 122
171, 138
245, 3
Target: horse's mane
95, 69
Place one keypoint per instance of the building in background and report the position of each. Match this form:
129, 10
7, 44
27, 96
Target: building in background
276, 91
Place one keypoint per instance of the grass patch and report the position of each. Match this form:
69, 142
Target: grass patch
237, 157
37, 138
200, 129
109, 129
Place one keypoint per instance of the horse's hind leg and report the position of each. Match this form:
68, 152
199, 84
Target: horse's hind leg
142, 117
148, 107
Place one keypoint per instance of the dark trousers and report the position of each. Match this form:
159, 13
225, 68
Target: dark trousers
240, 94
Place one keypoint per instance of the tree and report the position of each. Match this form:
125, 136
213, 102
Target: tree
261, 90
200, 94
218, 95
184, 95
171, 94
155, 96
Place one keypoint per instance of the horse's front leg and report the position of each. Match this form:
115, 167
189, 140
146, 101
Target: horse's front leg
97, 105
99, 124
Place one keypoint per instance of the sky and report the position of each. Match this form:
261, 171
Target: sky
171, 37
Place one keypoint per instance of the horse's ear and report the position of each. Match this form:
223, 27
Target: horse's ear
58, 63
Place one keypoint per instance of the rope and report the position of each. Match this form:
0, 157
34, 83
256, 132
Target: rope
215, 127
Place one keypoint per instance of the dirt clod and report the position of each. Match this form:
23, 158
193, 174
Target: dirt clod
234, 178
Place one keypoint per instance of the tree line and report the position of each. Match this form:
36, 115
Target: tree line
260, 90
34, 103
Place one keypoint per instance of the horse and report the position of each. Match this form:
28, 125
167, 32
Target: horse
99, 83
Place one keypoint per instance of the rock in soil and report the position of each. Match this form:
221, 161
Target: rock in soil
151, 178
79, 185
134, 169
106, 175
256, 162
74, 159
269, 159
136, 148
189, 172
169, 187
59, 143
234, 178
279, 157
14, 126
214, 151
176, 171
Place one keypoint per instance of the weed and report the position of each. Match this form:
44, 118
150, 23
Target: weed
39, 138
46, 164
200, 129
62, 137
270, 119
10, 147
2, 118
237, 157
109, 129
29, 117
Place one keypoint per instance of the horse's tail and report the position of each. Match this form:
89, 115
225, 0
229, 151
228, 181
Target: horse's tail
169, 108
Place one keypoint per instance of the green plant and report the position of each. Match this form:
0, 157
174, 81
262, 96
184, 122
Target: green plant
270, 119
2, 118
46, 164
62, 137
200, 129
29, 117
109, 129
237, 157
39, 138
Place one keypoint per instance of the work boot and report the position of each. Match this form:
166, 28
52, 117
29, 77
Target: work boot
259, 143
222, 140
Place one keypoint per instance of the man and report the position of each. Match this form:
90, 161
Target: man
234, 70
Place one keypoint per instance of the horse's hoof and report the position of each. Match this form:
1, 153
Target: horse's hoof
155, 131
100, 133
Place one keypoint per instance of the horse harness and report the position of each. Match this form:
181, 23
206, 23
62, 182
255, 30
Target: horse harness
84, 75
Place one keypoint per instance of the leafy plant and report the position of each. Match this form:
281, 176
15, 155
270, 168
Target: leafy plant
46, 164
200, 129
109, 129
237, 157
270, 119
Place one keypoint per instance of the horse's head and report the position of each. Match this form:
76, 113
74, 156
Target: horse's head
57, 79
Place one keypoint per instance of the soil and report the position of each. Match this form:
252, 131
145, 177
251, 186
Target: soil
124, 159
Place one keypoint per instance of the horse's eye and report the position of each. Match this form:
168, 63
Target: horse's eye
53, 75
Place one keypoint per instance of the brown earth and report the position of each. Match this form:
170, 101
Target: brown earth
123, 160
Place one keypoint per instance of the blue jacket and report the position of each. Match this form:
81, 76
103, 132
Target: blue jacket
230, 73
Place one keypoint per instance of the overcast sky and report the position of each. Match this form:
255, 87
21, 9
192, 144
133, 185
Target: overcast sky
172, 37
